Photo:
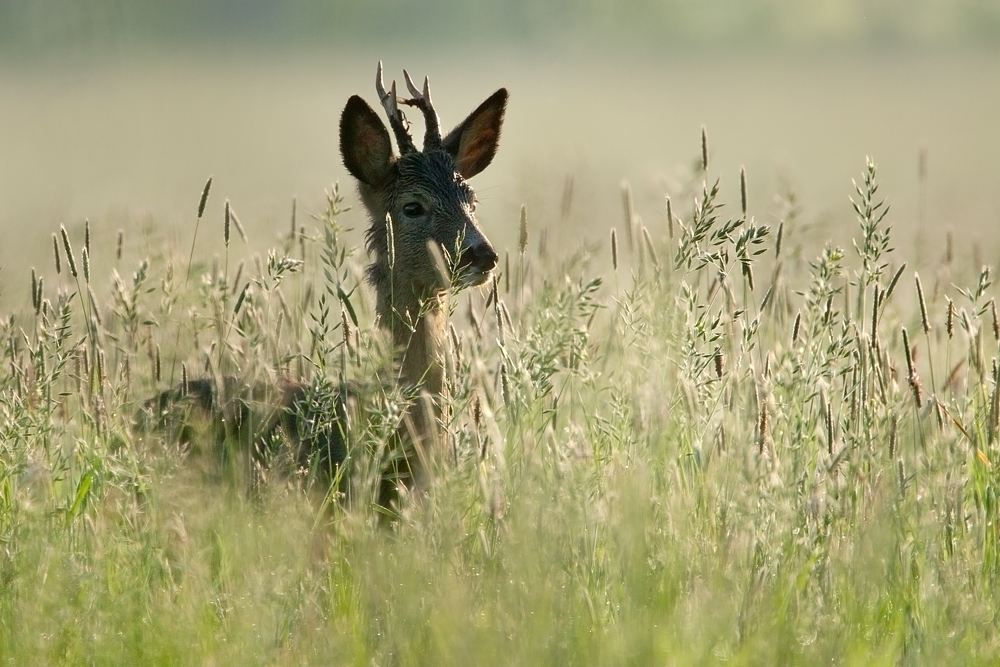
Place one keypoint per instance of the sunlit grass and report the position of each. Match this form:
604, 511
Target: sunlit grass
715, 452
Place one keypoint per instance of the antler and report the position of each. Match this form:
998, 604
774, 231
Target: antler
396, 120
422, 101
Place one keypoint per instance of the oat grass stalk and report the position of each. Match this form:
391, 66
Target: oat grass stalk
704, 149
202, 202
628, 210
651, 249
911, 374
925, 325
56, 254
670, 218
614, 249
743, 190
522, 246
949, 322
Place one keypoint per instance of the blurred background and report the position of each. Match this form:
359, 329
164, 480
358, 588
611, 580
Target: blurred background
118, 110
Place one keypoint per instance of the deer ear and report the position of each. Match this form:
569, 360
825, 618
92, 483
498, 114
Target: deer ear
364, 142
474, 142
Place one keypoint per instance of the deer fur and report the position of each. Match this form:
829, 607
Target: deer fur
424, 242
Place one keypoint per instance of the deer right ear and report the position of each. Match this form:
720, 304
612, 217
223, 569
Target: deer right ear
474, 142
364, 143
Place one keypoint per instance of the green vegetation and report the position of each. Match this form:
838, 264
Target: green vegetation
727, 450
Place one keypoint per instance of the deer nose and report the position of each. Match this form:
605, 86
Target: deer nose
481, 257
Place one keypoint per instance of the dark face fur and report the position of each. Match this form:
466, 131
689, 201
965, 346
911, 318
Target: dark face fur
429, 201
426, 197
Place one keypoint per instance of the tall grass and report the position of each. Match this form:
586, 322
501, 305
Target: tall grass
724, 454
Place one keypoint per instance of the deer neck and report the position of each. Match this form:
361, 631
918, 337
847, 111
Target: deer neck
419, 326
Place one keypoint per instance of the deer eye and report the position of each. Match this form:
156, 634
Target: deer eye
413, 209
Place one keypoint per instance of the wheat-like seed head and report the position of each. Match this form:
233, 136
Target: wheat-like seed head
522, 237
614, 249
70, 260
204, 197
704, 148
924, 320
743, 190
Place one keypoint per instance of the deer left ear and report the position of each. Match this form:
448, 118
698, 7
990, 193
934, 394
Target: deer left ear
364, 143
474, 142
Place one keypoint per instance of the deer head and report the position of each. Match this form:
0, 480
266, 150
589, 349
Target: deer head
420, 200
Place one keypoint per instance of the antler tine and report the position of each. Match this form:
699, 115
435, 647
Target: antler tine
422, 100
396, 120
380, 84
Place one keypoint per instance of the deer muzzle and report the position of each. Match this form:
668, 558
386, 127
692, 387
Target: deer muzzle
477, 262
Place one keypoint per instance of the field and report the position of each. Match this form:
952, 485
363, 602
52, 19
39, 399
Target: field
757, 425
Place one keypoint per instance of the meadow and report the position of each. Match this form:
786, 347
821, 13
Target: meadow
746, 426
722, 453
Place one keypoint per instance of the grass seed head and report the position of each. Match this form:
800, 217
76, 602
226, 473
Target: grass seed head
893, 434
346, 328
118, 245
567, 198
441, 265
704, 148
650, 248
629, 212
747, 270
743, 189
763, 427
34, 290
69, 251
614, 249
892, 283
95, 312
949, 321
56, 254
911, 374
504, 384
239, 274
522, 237
924, 320
239, 225
996, 321
391, 241
876, 303
670, 218
204, 197
102, 372
497, 311
506, 271
830, 435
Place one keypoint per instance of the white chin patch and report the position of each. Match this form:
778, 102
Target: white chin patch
475, 278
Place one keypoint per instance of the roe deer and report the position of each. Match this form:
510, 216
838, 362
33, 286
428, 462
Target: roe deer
424, 241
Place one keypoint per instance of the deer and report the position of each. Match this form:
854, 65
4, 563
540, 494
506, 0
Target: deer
424, 242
